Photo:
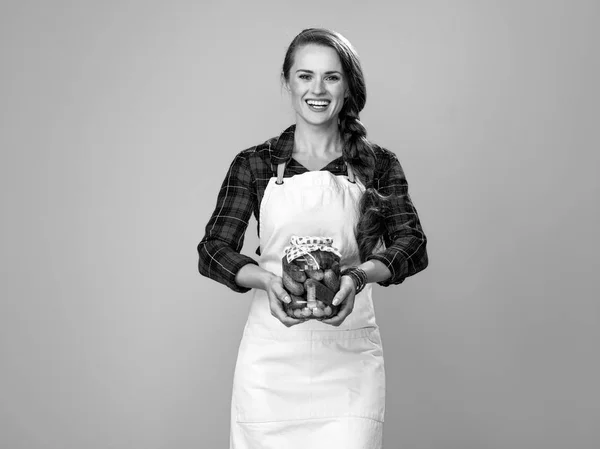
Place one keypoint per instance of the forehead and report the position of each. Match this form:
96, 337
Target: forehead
316, 58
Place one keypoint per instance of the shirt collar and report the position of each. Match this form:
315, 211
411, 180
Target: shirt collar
283, 146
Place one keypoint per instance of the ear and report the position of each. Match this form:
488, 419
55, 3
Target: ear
285, 84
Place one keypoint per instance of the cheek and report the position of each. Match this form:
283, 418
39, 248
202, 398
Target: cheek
339, 92
296, 94
296, 90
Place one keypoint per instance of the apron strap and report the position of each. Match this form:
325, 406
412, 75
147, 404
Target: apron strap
350, 173
280, 172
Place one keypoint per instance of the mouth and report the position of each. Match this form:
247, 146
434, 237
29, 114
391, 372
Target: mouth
317, 105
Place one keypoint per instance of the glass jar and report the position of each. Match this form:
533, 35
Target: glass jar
311, 275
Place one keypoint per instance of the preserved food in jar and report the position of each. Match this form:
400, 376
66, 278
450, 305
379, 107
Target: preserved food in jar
311, 275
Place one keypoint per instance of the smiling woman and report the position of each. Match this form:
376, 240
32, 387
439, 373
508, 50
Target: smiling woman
317, 383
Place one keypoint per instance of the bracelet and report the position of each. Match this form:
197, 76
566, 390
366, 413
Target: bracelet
358, 275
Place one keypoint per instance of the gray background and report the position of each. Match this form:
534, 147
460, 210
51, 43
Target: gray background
119, 120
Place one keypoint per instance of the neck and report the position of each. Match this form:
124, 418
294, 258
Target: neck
317, 140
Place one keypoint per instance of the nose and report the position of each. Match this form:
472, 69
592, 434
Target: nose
318, 86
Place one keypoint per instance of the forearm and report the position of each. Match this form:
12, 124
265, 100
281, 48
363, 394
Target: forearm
376, 271
353, 279
253, 276
404, 257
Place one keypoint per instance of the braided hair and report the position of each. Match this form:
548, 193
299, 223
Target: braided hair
357, 150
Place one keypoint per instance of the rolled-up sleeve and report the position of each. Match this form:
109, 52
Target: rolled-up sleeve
219, 250
405, 250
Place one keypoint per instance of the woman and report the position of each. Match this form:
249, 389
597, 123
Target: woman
314, 383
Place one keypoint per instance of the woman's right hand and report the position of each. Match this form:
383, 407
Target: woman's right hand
277, 296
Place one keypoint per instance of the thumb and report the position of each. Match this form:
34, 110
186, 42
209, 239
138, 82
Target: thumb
282, 295
340, 296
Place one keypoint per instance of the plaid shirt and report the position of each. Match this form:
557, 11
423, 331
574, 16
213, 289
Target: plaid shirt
242, 191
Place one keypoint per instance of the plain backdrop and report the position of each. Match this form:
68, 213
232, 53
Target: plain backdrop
118, 122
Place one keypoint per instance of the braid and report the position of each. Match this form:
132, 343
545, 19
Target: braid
358, 151
373, 206
370, 227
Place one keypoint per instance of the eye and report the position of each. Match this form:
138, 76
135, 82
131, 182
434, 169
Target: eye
333, 77
304, 76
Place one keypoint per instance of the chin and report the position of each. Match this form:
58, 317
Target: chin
317, 121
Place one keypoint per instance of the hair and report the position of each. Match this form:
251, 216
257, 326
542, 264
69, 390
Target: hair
357, 150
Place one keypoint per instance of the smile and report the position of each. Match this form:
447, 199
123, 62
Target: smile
318, 105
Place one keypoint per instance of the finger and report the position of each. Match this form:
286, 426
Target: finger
282, 295
338, 319
335, 321
341, 295
285, 319
277, 307
289, 321
282, 316
278, 312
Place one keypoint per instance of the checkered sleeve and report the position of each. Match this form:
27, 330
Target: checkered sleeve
219, 250
405, 251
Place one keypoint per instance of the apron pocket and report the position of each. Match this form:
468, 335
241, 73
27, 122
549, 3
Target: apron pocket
271, 380
348, 378
281, 380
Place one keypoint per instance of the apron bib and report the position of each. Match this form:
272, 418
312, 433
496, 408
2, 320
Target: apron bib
312, 385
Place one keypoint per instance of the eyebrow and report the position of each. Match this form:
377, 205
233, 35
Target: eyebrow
326, 73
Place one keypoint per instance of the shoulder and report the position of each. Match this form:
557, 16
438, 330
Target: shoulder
388, 171
385, 159
383, 155
257, 153
270, 152
253, 163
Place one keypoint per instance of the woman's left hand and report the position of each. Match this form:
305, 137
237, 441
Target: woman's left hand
345, 297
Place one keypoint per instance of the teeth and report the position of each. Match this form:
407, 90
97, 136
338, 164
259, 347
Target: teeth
317, 103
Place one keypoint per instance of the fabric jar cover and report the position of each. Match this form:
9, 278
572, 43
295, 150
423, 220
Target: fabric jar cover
302, 246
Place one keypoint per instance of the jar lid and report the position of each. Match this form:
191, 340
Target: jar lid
303, 245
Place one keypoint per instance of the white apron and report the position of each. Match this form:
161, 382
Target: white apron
312, 385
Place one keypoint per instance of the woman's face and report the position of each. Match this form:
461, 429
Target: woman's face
317, 84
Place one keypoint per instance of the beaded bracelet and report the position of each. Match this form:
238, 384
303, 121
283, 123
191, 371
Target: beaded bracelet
358, 275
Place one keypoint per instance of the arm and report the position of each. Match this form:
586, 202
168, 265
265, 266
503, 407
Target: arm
405, 253
253, 276
376, 271
219, 249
